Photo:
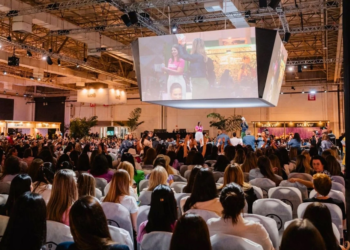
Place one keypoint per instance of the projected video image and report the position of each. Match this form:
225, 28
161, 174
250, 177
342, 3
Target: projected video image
207, 65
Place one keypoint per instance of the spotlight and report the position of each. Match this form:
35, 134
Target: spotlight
262, 3
274, 3
39, 79
281, 93
252, 21
49, 60
0, 46
313, 92
133, 17
303, 92
299, 69
85, 59
29, 54
44, 58
78, 66
32, 78
174, 28
9, 38
325, 91
5, 73
290, 68
305, 66
292, 88
286, 37
59, 62
24, 95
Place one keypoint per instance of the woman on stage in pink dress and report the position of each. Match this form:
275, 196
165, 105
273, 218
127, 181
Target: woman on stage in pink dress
199, 133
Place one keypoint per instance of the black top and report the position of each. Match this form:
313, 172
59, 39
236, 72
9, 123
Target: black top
339, 203
197, 67
250, 197
72, 246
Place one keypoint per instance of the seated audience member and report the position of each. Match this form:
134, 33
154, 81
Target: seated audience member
157, 177
250, 162
119, 193
302, 235
233, 173
28, 156
168, 167
86, 185
191, 232
198, 159
163, 212
213, 155
34, 167
276, 166
239, 156
319, 215
150, 156
64, 193
333, 166
232, 199
303, 165
221, 163
46, 155
230, 152
323, 185
26, 228
139, 175
161, 162
43, 180
188, 188
286, 163
264, 170
84, 160
100, 168
129, 168
204, 193
11, 169
21, 184
89, 228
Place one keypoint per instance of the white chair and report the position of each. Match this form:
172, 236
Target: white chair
183, 169
145, 197
178, 186
56, 233
156, 240
269, 224
302, 188
258, 192
142, 215
3, 198
178, 198
275, 209
303, 176
336, 213
117, 215
334, 227
332, 194
187, 174
289, 195
338, 186
264, 183
205, 214
5, 187
106, 189
218, 175
178, 178
121, 236
225, 242
338, 179
143, 184
221, 180
3, 224
101, 184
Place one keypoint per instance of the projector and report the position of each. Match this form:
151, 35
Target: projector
13, 61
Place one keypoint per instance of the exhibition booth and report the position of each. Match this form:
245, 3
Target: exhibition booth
30, 127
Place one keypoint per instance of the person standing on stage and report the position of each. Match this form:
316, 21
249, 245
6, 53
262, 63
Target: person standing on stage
244, 126
199, 133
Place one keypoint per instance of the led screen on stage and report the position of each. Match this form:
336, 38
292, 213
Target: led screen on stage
196, 66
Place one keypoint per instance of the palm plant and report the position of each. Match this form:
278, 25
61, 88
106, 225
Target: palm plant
231, 123
133, 121
80, 127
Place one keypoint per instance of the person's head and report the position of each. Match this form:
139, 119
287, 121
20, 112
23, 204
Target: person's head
26, 228
313, 213
129, 168
34, 167
188, 188
28, 153
198, 47
230, 152
325, 137
333, 166
318, 163
163, 211
250, 162
11, 166
204, 188
234, 173
176, 91
129, 158
232, 199
21, 184
159, 161
199, 124
239, 156
159, 176
248, 132
100, 165
302, 164
62, 162
198, 159
172, 155
86, 184
275, 163
264, 164
234, 134
190, 230
189, 158
63, 194
307, 156
221, 163
150, 155
45, 155
322, 184
302, 235
297, 137
326, 153
88, 225
119, 186
74, 156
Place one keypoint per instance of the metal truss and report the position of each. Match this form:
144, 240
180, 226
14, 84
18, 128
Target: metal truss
107, 49
313, 61
313, 29
66, 32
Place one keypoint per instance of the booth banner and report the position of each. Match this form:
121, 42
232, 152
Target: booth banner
99, 96
290, 124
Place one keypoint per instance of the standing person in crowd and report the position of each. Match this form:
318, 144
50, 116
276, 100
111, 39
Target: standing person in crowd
234, 140
295, 142
325, 143
199, 133
249, 139
222, 138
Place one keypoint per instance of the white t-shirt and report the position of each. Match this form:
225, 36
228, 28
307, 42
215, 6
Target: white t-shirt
235, 141
131, 191
250, 230
129, 203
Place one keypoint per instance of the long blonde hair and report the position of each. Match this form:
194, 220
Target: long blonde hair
158, 176
86, 184
63, 194
119, 186
198, 47
234, 173
129, 168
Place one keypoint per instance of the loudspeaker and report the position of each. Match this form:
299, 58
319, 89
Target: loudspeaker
299, 69
13, 61
49, 60
262, 3
274, 3
133, 17
126, 20
286, 37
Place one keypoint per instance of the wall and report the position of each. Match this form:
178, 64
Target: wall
22, 111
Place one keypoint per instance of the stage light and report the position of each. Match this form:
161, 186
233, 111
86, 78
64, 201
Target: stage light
5, 73
313, 92
49, 60
24, 95
198, 19
78, 65
292, 88
32, 78
290, 68
286, 37
9, 38
303, 92
85, 59
0, 46
133, 17
16, 93
39, 79
325, 91
59, 62
251, 21
44, 58
281, 93
305, 66
174, 28
29, 54
262, 3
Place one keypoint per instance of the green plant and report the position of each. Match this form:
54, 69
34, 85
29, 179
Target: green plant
80, 127
231, 123
133, 121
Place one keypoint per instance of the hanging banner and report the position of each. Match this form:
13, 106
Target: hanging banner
311, 97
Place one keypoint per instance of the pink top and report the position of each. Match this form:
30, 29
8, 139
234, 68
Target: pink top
175, 65
199, 128
107, 176
65, 217
142, 232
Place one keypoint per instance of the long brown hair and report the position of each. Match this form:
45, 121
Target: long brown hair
64, 193
34, 168
129, 168
86, 184
250, 162
265, 167
234, 173
239, 156
275, 162
150, 155
119, 186
303, 162
88, 225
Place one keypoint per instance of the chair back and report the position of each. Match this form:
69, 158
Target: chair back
338, 179
302, 188
121, 236
338, 186
3, 224
142, 215
143, 184
258, 192
264, 183
145, 198
56, 233
183, 169
218, 175
5, 187
117, 215
187, 174
222, 241
178, 178
178, 197
221, 180
303, 176
205, 214
289, 195
156, 240
178, 186
275, 209
3, 198
269, 224
332, 194
98, 193
101, 184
